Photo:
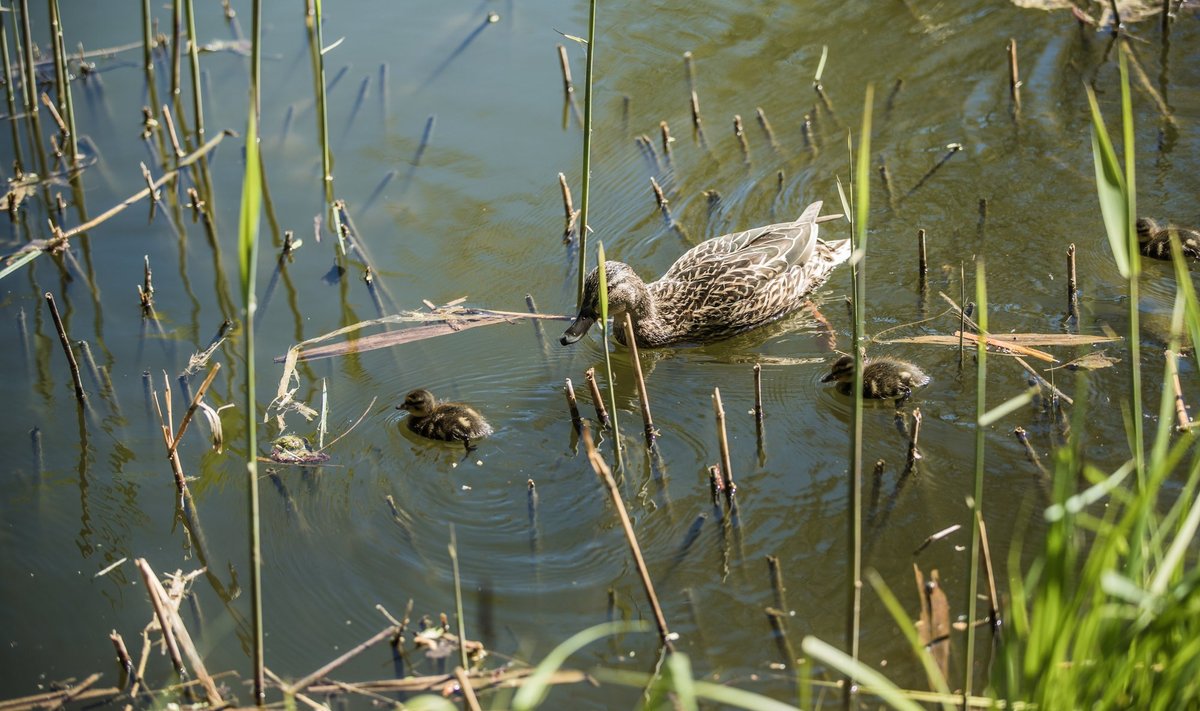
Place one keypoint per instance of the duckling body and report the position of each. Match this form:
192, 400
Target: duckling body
718, 288
883, 378
1154, 240
446, 421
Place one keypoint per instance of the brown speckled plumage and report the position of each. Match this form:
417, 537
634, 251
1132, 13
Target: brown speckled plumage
718, 288
1154, 240
447, 421
883, 378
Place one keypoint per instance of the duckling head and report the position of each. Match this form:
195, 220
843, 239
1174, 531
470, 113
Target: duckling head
841, 371
626, 292
419, 403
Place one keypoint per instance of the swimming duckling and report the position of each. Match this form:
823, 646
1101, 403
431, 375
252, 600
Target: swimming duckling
1154, 240
447, 421
882, 378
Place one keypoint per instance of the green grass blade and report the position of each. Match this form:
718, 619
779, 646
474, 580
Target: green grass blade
602, 272
1110, 185
1011, 405
251, 205
533, 692
936, 680
855, 669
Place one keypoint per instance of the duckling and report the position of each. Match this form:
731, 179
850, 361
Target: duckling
1154, 240
882, 378
718, 288
447, 421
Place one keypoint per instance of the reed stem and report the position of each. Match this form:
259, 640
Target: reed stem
586, 168
723, 442
976, 502
80, 395
643, 395
8, 96
63, 83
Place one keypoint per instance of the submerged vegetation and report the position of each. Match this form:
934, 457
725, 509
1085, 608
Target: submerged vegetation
1095, 605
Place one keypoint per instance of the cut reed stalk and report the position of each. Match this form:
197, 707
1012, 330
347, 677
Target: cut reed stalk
1014, 78
10, 100
123, 657
665, 134
740, 132
1031, 454
598, 465
689, 71
1183, 422
914, 453
597, 399
573, 405
922, 259
778, 620
570, 213
1072, 285
568, 84
993, 597
766, 127
776, 574
586, 167
80, 395
723, 443
758, 401
643, 395
191, 411
62, 76
885, 177
697, 123
716, 485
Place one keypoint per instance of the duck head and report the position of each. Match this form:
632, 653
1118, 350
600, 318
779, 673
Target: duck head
626, 292
419, 403
841, 371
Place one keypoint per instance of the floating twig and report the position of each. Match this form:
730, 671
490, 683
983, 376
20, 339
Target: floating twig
80, 395
605, 474
643, 395
597, 399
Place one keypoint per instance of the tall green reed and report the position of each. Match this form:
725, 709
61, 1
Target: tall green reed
316, 47
586, 180
248, 224
976, 503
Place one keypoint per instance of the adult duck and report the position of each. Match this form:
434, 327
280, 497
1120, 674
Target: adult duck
718, 288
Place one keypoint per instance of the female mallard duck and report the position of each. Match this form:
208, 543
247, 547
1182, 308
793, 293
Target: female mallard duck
448, 421
1154, 240
720, 287
882, 378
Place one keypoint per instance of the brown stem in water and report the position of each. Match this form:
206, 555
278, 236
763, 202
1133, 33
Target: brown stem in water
1072, 285
723, 442
80, 395
643, 395
778, 620
922, 258
993, 598
571, 214
568, 85
597, 398
1181, 414
606, 477
464, 683
665, 131
740, 132
1014, 77
187, 417
914, 454
304, 683
766, 127
777, 582
573, 405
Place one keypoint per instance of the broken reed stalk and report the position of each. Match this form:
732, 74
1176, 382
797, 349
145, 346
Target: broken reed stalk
665, 133
307, 681
716, 484
922, 258
123, 657
62, 83
993, 598
1181, 415
597, 398
80, 395
169, 619
643, 395
464, 683
914, 454
568, 84
778, 620
570, 213
777, 582
766, 127
885, 176
723, 442
1072, 285
659, 198
689, 70
187, 417
740, 132
696, 121
1014, 77
1031, 454
758, 401
606, 477
951, 149
573, 405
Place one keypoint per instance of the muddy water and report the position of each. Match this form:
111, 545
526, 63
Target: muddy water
477, 213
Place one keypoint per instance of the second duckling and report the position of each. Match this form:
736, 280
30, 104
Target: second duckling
1154, 240
446, 421
882, 378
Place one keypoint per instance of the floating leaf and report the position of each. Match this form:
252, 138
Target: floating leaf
1092, 361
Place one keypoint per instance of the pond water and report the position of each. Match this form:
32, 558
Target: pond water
447, 132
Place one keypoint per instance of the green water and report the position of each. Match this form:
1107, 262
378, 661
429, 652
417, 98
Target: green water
479, 215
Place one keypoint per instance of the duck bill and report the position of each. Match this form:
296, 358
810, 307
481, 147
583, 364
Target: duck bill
577, 329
